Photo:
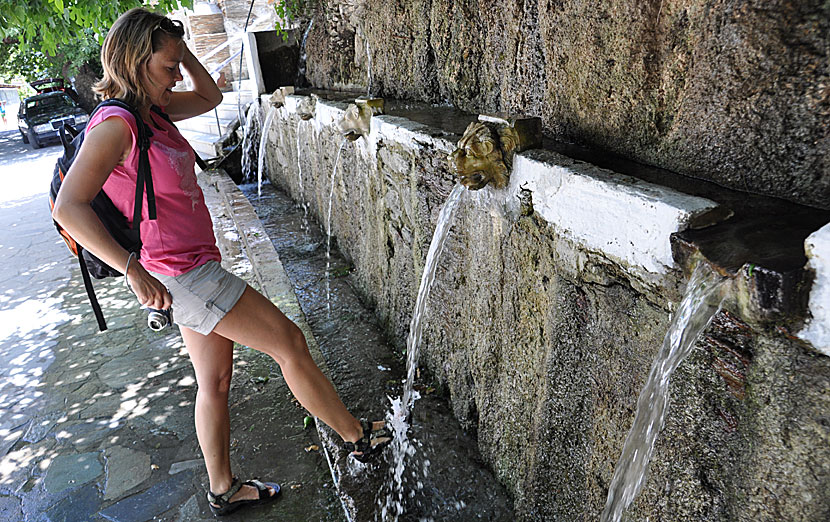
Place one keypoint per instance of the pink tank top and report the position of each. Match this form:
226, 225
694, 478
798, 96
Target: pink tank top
181, 238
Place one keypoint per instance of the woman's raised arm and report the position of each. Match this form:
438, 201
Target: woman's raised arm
204, 96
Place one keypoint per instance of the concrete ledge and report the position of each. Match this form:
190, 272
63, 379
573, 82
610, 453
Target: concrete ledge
624, 218
817, 329
394, 128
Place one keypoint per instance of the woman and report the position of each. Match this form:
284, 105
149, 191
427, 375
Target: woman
179, 261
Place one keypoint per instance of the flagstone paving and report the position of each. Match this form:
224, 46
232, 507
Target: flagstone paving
99, 426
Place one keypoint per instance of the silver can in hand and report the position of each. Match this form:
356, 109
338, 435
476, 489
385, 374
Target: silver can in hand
158, 320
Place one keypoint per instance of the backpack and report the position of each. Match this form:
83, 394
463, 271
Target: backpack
113, 220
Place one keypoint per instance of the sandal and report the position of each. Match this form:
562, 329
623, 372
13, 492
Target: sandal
222, 505
363, 450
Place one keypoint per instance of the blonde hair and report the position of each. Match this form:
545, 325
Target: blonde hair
127, 49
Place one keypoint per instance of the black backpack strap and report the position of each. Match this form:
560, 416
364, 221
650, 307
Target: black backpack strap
67, 134
199, 161
144, 179
90, 292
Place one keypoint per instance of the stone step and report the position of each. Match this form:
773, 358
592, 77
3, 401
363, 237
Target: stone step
245, 93
206, 145
229, 109
207, 123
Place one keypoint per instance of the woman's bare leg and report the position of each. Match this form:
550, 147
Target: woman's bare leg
256, 322
212, 359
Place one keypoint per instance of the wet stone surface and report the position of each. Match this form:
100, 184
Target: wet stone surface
160, 498
446, 480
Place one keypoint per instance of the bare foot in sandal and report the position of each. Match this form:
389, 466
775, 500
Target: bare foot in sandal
375, 437
242, 494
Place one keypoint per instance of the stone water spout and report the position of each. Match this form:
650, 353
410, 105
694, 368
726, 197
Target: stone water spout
277, 98
304, 106
356, 120
485, 152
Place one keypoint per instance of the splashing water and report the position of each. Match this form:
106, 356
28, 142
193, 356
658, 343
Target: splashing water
263, 139
251, 129
702, 300
328, 225
402, 447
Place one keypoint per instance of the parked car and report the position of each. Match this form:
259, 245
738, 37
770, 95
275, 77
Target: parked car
41, 116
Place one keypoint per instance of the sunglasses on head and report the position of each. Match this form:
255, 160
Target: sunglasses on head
174, 27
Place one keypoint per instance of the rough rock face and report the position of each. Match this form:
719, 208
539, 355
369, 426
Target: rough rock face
543, 346
729, 91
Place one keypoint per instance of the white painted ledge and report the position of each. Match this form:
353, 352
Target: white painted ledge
817, 329
328, 113
624, 218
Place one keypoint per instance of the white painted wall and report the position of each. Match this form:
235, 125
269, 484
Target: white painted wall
817, 329
626, 219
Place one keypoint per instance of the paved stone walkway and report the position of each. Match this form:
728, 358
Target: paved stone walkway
99, 426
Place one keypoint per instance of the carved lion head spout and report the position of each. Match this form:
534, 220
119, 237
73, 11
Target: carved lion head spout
306, 106
478, 160
277, 98
353, 124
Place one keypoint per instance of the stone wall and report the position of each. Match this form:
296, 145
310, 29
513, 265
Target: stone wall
543, 342
731, 91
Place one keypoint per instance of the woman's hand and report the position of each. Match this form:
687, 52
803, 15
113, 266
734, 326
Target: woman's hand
148, 290
204, 96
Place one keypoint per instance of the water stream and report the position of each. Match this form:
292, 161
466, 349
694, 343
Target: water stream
301, 66
263, 139
300, 177
702, 300
368, 67
328, 225
455, 486
398, 418
252, 125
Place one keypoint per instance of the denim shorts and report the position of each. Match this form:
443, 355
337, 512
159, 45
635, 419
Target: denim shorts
203, 296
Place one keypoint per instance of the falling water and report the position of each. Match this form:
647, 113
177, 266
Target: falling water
398, 418
302, 62
251, 128
368, 66
439, 238
263, 138
328, 225
300, 179
701, 302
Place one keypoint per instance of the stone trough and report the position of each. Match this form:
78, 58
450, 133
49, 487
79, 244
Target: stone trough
553, 297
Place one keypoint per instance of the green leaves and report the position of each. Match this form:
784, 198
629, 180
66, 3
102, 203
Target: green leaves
30, 63
48, 24
289, 10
